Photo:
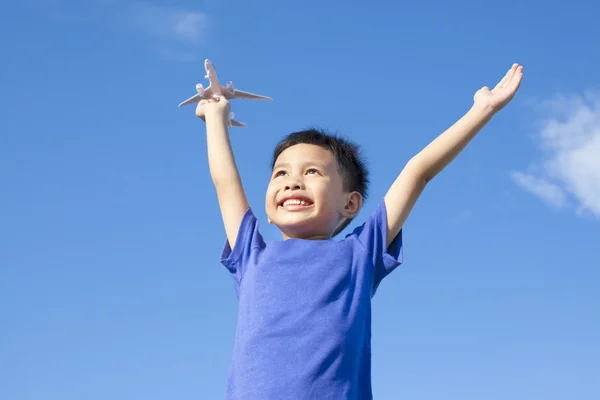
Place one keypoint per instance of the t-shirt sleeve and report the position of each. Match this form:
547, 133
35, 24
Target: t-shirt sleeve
248, 242
372, 235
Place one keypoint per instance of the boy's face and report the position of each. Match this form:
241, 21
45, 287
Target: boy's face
305, 197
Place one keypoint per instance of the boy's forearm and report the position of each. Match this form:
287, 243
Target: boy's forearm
225, 176
221, 161
442, 150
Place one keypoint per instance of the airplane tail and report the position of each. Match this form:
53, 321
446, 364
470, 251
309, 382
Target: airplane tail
233, 122
237, 123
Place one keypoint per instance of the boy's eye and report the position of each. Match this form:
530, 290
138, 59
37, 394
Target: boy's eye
312, 171
279, 173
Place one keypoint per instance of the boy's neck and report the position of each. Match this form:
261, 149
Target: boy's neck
311, 237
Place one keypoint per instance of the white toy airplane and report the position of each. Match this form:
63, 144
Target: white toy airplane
215, 89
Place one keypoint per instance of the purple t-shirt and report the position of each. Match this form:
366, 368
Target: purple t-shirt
304, 317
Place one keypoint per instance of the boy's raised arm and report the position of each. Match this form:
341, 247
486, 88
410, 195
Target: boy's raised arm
424, 166
223, 170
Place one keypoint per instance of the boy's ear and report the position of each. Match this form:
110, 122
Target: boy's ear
353, 205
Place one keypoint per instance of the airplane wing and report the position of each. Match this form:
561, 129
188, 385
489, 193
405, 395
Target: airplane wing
240, 94
196, 98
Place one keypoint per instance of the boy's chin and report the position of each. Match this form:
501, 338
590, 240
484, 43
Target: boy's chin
292, 219
300, 230
297, 228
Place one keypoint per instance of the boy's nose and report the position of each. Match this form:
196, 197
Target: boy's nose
293, 184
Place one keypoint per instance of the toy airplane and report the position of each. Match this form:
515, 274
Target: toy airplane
215, 90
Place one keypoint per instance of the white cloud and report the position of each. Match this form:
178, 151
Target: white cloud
172, 33
168, 23
551, 193
569, 172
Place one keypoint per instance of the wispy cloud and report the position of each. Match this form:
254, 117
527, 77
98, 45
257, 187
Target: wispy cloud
549, 192
168, 23
172, 33
568, 173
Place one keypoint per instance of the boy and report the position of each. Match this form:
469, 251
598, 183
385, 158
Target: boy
304, 319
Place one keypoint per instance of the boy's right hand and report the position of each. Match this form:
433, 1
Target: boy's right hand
213, 109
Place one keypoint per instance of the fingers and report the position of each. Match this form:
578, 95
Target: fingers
510, 74
206, 101
505, 78
516, 79
501, 83
220, 99
512, 78
214, 100
201, 109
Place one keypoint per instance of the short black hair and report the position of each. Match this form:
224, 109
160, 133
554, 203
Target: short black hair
348, 155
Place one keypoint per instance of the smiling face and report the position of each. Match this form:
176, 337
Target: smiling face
305, 198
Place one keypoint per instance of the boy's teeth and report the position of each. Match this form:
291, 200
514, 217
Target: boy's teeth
294, 202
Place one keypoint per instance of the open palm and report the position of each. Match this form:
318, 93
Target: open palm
503, 92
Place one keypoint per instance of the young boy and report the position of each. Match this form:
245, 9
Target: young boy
304, 319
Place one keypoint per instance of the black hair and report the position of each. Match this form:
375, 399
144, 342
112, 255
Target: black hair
348, 155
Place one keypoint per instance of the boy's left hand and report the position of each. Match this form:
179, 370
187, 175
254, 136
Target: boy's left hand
503, 92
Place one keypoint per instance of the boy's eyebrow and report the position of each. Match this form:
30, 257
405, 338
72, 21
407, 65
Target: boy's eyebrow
280, 165
319, 164
287, 165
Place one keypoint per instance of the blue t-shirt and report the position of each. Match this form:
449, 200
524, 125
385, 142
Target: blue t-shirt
304, 317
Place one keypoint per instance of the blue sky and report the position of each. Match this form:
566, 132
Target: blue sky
110, 281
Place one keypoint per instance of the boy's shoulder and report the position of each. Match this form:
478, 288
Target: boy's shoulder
364, 247
370, 233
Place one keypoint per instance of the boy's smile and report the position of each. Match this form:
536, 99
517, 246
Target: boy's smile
295, 202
